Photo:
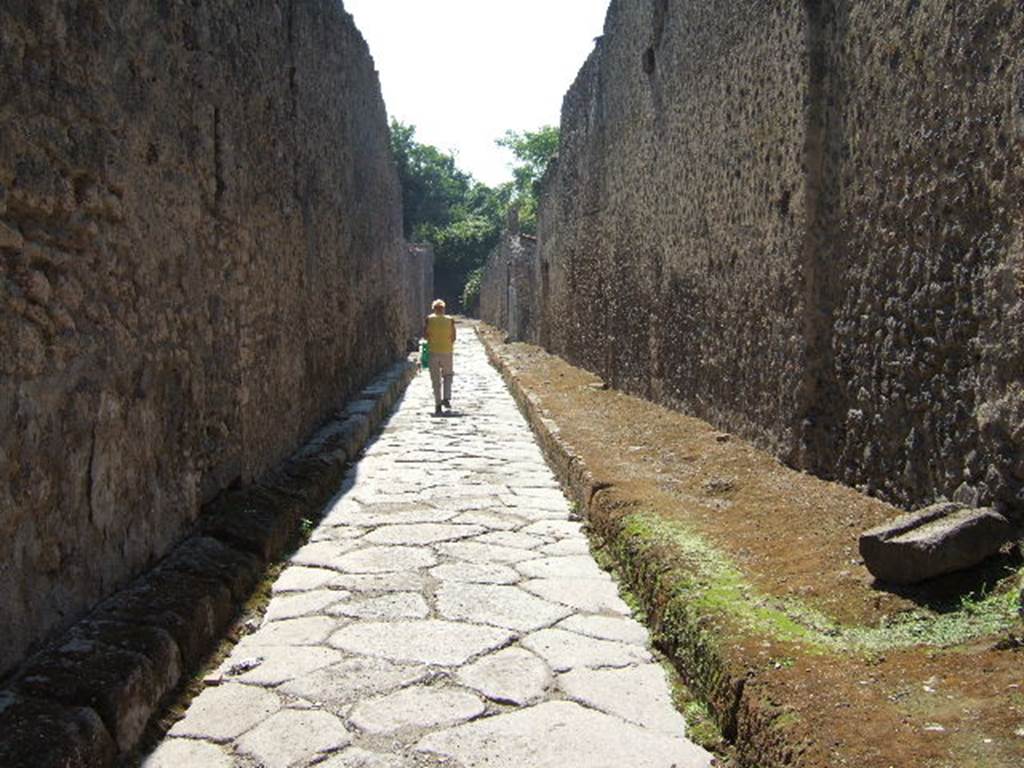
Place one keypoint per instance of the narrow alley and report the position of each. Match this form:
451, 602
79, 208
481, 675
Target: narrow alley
445, 612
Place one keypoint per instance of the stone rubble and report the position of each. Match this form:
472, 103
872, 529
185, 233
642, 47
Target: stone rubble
446, 613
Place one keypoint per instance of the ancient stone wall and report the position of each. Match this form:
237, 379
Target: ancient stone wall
200, 253
419, 283
802, 221
509, 297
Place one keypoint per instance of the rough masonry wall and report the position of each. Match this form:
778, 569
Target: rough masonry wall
509, 297
672, 226
802, 221
200, 244
419, 282
924, 175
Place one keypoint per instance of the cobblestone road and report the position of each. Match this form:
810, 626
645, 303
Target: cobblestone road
446, 612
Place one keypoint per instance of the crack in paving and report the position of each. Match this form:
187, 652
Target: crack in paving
446, 611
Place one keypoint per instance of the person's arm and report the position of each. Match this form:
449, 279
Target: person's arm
453, 330
426, 324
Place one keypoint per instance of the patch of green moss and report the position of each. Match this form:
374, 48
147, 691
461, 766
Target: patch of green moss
786, 719
700, 724
703, 581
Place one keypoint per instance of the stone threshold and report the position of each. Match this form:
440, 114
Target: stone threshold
87, 697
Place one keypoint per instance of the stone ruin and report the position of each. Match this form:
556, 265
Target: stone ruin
508, 291
201, 257
801, 221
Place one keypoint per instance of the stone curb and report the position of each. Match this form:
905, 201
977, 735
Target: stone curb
88, 696
690, 641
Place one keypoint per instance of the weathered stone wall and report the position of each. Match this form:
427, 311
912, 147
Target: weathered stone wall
419, 284
200, 236
509, 296
802, 221
924, 179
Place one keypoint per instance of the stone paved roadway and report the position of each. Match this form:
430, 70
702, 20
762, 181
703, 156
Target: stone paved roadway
446, 612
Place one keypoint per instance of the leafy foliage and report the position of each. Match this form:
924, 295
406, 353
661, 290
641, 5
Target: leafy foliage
533, 151
447, 208
457, 215
471, 291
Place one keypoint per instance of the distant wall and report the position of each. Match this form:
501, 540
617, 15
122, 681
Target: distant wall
200, 257
509, 294
419, 286
802, 221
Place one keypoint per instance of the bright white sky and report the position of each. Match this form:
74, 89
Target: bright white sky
464, 71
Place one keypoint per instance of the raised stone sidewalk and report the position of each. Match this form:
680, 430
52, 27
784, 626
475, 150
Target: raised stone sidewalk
446, 612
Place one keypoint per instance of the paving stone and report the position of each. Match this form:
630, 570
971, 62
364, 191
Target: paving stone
558, 734
386, 559
511, 675
373, 515
338, 533
621, 629
574, 567
351, 679
566, 650
419, 707
502, 606
484, 553
476, 573
179, 753
312, 630
293, 737
421, 533
226, 712
381, 582
552, 494
397, 605
588, 595
360, 758
514, 539
558, 528
568, 546
429, 642
533, 513
292, 606
322, 554
276, 664
302, 579
639, 695
493, 520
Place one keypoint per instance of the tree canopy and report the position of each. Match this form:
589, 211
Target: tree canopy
533, 151
459, 216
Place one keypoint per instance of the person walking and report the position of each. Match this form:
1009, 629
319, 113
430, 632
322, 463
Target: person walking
439, 331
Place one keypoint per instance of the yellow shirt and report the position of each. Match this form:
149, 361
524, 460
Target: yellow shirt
440, 330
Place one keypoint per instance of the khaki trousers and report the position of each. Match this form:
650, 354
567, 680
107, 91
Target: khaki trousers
441, 372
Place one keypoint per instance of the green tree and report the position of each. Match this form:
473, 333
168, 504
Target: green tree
447, 208
533, 151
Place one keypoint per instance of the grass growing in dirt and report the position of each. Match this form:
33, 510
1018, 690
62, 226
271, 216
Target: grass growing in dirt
709, 581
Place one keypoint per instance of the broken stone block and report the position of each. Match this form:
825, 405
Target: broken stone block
206, 557
193, 610
255, 520
45, 734
938, 539
121, 686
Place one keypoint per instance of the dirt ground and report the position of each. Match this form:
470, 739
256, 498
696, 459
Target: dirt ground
854, 673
